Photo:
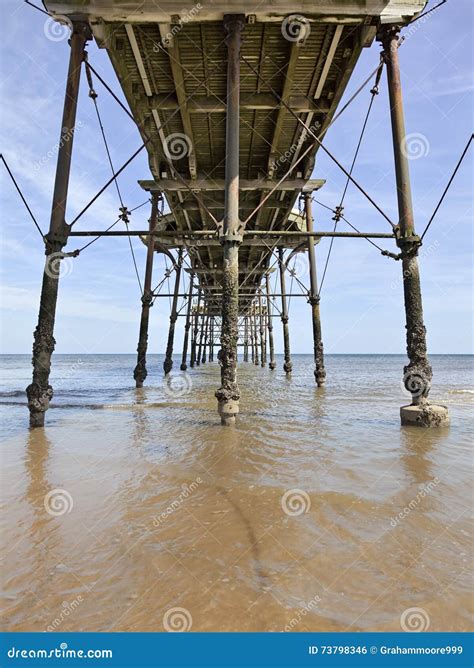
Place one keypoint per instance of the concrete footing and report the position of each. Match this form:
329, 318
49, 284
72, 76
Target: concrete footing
424, 415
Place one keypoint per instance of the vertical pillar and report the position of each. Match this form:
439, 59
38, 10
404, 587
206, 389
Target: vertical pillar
255, 336
202, 320
228, 394
252, 339
211, 341
246, 338
192, 361
140, 371
168, 363
319, 370
263, 338
287, 365
418, 372
206, 338
187, 325
40, 392
272, 364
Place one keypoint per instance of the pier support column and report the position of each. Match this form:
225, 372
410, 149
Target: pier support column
252, 338
263, 337
272, 364
287, 365
228, 394
140, 372
319, 370
168, 363
418, 372
211, 340
202, 320
40, 392
192, 360
187, 325
255, 336
246, 338
206, 339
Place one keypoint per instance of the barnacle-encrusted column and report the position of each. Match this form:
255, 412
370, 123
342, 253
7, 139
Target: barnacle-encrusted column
263, 337
252, 338
194, 343
246, 338
168, 363
228, 394
206, 338
255, 336
319, 370
418, 372
187, 325
202, 321
140, 371
272, 363
211, 341
287, 365
40, 392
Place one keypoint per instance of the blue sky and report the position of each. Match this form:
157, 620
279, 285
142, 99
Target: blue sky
362, 300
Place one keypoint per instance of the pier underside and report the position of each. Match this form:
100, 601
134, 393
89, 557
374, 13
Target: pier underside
232, 104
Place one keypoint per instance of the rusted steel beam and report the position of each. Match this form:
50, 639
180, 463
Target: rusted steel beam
168, 363
272, 364
287, 365
263, 338
211, 341
210, 185
206, 339
319, 371
228, 394
192, 361
140, 372
185, 236
418, 373
255, 336
187, 326
246, 338
202, 320
40, 392
209, 104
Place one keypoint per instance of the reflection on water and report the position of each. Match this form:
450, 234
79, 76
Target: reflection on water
316, 513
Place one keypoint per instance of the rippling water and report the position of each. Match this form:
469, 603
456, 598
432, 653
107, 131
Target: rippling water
318, 512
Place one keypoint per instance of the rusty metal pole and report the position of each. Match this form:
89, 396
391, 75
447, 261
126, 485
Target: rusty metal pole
246, 338
211, 341
206, 339
192, 361
319, 370
418, 373
263, 343
168, 363
140, 372
40, 392
287, 365
187, 326
272, 363
255, 336
228, 394
252, 340
202, 319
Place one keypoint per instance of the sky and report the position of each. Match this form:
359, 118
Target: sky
362, 296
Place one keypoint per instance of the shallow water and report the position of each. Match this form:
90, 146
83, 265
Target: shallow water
318, 512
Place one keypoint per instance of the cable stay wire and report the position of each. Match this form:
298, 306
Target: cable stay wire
447, 186
339, 209
124, 215
22, 196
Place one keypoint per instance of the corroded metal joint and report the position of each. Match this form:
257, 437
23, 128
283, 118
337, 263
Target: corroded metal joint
409, 245
284, 319
56, 240
147, 299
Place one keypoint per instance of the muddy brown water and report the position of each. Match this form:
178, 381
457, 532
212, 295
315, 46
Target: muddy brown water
135, 511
